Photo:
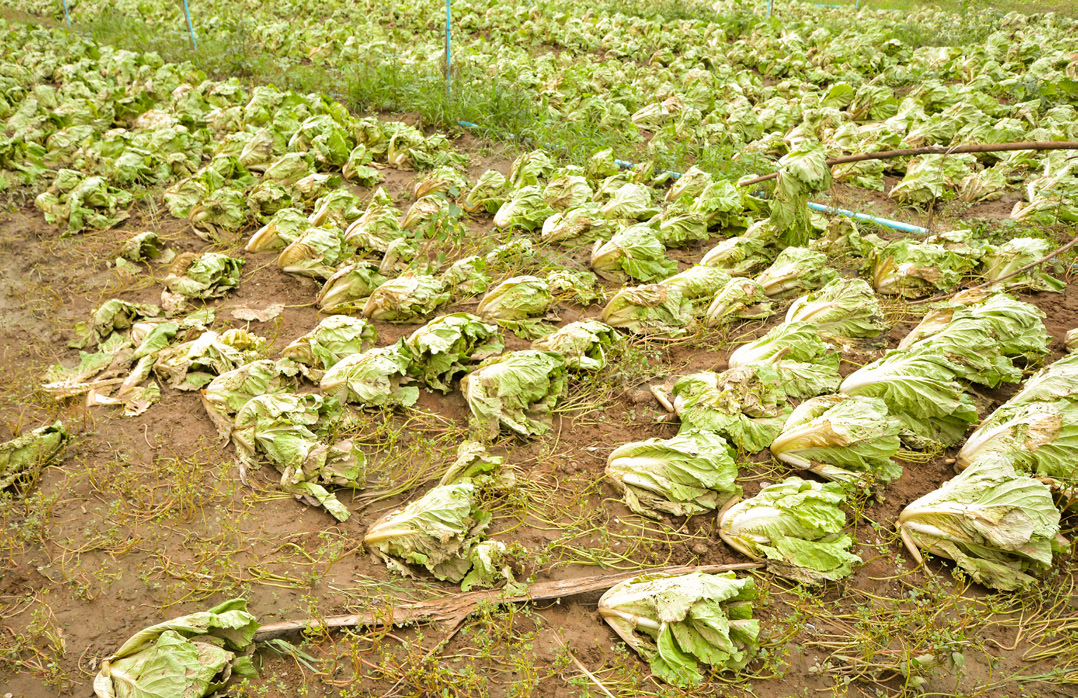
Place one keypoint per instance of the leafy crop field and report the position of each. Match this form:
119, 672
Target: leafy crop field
332, 367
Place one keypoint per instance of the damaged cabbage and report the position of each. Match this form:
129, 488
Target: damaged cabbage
691, 473
517, 390
447, 347
796, 527
584, 344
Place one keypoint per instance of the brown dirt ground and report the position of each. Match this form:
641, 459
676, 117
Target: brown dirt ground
146, 520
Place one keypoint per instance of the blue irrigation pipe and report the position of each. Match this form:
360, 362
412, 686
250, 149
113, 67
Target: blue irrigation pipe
67, 15
897, 225
190, 27
769, 3
630, 166
448, 45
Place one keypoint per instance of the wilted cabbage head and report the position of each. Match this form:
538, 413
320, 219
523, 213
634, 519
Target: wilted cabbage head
377, 227
146, 247
1001, 528
691, 473
191, 365
689, 185
843, 438
466, 277
374, 378
517, 390
842, 308
651, 309
399, 256
357, 169
227, 393
920, 390
285, 227
575, 286
796, 527
739, 299
448, 346
530, 169
806, 364
436, 532
424, 210
634, 252
678, 228
566, 192
209, 275
698, 281
795, 269
288, 169
746, 405
720, 205
336, 209
581, 225
516, 298
601, 165
332, 339
738, 256
267, 198
678, 623
1014, 254
223, 211
316, 253
488, 194
630, 201
584, 344
348, 285
525, 208
186, 656
441, 180
609, 186
475, 465
408, 298
23, 458
915, 269
802, 171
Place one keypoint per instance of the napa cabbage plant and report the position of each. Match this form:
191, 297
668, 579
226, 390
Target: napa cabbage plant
796, 527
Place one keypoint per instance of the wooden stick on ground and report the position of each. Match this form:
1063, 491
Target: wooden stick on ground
452, 609
1003, 278
935, 150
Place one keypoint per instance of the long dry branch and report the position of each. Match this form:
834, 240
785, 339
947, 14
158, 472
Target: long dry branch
453, 609
936, 150
1016, 272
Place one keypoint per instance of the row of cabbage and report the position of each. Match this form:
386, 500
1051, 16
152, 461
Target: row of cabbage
100, 124
260, 404
832, 89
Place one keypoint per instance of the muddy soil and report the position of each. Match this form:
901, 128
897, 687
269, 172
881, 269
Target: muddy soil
146, 518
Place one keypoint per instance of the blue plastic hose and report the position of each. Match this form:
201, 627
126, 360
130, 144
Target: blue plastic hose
448, 47
190, 27
897, 225
769, 3
67, 15
630, 166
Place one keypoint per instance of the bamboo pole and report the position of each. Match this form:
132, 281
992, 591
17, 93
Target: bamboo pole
935, 150
453, 609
